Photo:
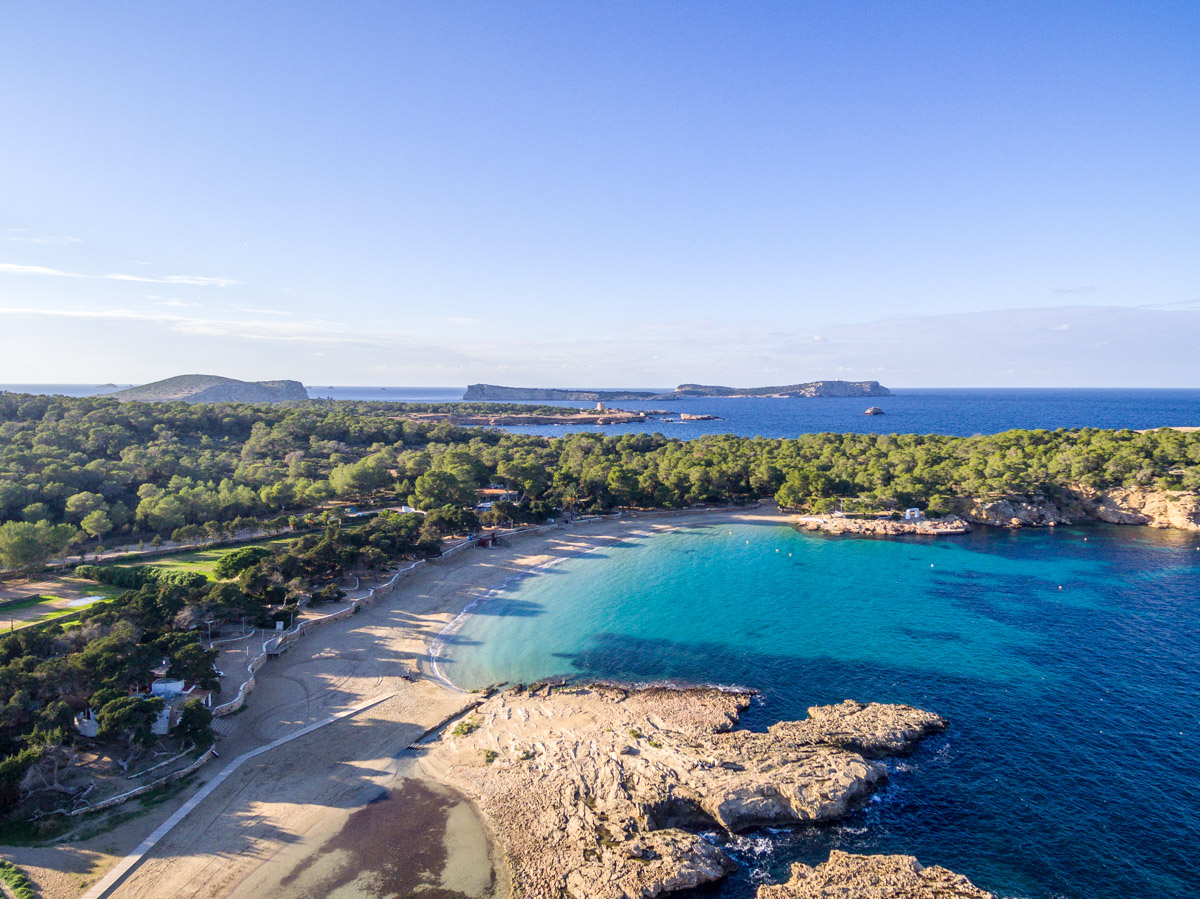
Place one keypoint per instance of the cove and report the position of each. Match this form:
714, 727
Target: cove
1067, 660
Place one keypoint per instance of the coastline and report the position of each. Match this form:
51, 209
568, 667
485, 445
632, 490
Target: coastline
291, 791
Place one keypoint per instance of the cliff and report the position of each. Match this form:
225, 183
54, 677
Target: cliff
1117, 505
683, 391
593, 790
213, 389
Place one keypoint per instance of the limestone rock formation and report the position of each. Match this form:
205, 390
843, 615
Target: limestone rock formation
847, 876
590, 788
883, 527
1156, 508
1117, 505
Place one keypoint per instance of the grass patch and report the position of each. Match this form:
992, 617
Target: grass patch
16, 881
203, 561
466, 727
27, 603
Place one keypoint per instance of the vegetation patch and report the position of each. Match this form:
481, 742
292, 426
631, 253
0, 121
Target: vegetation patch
15, 880
466, 727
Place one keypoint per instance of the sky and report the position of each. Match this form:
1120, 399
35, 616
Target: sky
610, 194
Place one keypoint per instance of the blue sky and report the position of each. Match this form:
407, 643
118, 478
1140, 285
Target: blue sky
610, 194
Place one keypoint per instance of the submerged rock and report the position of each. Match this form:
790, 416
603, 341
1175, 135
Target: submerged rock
847, 876
591, 788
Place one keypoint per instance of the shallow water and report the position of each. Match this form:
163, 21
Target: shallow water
1067, 660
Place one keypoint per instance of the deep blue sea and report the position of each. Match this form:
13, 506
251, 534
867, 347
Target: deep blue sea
908, 411
1067, 661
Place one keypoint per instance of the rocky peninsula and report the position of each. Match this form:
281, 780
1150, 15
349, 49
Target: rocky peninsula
595, 790
846, 876
883, 527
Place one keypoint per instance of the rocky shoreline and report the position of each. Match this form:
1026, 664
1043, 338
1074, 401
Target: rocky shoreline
1116, 505
884, 527
1176, 509
846, 876
596, 791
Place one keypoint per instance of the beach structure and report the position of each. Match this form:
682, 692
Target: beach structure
172, 691
913, 515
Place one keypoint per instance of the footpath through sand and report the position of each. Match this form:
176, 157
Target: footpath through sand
313, 783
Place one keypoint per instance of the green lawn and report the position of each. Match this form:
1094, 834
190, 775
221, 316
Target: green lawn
203, 561
50, 600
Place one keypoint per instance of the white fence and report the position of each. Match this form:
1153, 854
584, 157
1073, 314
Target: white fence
144, 788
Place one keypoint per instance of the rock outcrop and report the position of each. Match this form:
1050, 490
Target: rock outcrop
847, 876
590, 789
1155, 508
884, 527
1117, 505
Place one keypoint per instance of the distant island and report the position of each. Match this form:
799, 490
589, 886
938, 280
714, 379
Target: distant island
683, 391
212, 389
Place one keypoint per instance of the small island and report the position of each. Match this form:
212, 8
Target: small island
683, 391
212, 389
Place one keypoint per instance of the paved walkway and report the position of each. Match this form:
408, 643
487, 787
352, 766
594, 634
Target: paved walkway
109, 881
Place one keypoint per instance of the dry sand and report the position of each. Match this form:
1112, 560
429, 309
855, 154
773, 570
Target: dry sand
302, 793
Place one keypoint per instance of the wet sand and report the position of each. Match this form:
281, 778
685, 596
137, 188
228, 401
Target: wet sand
417, 837
304, 793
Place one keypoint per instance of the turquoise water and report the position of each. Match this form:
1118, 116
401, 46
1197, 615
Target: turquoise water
1068, 662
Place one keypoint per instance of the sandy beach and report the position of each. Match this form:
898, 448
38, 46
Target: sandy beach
291, 802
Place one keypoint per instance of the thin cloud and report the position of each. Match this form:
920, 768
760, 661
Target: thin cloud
258, 311
194, 280
1083, 288
15, 236
316, 330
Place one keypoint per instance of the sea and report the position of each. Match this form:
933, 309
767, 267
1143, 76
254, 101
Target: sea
1066, 660
955, 412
